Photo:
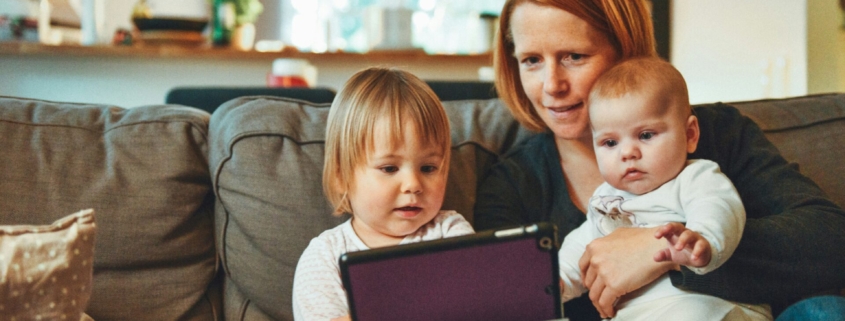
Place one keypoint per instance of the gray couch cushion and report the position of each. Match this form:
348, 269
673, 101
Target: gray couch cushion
145, 172
266, 161
266, 158
806, 130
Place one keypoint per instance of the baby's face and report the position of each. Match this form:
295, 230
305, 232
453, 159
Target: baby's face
399, 188
641, 140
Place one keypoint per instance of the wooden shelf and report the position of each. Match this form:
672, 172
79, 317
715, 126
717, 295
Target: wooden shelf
207, 52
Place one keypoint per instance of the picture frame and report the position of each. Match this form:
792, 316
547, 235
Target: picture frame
661, 19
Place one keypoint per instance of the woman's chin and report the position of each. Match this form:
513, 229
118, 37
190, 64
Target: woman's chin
571, 132
571, 128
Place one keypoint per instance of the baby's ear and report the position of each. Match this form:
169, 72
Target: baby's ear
693, 133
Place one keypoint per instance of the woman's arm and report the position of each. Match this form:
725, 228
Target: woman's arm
528, 186
794, 239
620, 263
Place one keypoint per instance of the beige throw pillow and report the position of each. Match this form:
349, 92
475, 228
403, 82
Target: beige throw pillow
46, 271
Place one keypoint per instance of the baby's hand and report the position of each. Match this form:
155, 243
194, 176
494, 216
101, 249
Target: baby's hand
343, 318
686, 247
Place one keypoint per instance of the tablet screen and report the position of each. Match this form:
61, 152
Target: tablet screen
509, 274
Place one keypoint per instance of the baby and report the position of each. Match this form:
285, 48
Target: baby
386, 163
643, 128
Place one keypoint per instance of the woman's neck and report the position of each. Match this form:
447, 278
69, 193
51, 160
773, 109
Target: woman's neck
580, 169
576, 151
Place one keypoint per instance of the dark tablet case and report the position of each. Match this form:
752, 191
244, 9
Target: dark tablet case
509, 274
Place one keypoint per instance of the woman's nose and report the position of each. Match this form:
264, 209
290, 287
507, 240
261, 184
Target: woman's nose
555, 81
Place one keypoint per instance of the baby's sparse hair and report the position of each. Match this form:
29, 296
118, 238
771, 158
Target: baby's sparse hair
371, 95
638, 74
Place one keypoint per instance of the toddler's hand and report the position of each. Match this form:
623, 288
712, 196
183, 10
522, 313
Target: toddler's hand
686, 247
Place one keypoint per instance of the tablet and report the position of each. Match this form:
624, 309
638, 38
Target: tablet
507, 274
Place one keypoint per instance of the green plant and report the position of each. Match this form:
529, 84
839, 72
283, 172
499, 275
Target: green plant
247, 11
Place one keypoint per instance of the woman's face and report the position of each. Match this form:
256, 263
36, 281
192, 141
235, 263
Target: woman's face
560, 56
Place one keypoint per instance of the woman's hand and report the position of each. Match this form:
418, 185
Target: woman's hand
620, 263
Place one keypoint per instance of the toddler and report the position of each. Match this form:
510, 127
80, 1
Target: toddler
386, 163
643, 128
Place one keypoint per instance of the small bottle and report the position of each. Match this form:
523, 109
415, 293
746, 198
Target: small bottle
88, 22
292, 72
222, 22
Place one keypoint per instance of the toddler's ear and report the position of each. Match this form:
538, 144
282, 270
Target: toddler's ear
693, 133
336, 185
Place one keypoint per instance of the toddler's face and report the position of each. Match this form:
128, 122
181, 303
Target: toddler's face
641, 140
399, 188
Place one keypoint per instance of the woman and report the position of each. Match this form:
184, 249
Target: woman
548, 54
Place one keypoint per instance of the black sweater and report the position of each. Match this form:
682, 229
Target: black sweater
794, 239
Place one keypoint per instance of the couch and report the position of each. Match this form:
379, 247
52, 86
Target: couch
203, 217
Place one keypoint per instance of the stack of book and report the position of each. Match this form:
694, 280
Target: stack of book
170, 31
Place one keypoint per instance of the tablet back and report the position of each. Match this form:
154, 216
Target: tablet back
509, 274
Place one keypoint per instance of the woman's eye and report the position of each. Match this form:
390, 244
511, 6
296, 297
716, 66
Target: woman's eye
389, 169
646, 135
429, 169
573, 59
529, 61
609, 143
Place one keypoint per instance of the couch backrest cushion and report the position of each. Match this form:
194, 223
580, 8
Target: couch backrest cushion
266, 156
806, 130
145, 173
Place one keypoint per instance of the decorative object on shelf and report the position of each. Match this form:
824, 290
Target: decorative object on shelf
141, 10
19, 20
233, 22
164, 23
122, 37
222, 22
247, 11
243, 37
292, 72
170, 31
59, 22
18, 28
156, 30
91, 22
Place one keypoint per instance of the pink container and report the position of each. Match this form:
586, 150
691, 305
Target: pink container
290, 72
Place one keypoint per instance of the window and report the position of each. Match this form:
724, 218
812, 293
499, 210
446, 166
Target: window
435, 26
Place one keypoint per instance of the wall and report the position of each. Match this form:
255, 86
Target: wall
125, 82
130, 82
728, 50
732, 50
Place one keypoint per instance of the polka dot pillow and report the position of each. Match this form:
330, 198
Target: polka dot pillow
45, 271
